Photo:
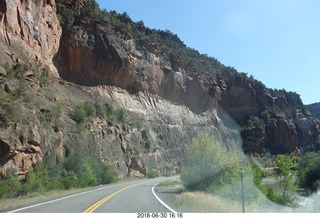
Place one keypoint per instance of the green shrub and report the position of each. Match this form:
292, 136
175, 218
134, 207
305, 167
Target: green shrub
258, 175
309, 171
77, 171
12, 113
89, 171
99, 109
108, 109
31, 183
120, 115
10, 185
87, 110
152, 173
81, 167
69, 182
18, 70
4, 188
49, 116
209, 165
104, 173
79, 114
90, 109
44, 79
283, 191
255, 122
38, 180
20, 91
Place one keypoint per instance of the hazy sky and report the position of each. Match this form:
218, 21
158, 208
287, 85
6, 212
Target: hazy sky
276, 41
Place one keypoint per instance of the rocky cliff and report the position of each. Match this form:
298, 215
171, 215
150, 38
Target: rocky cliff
29, 31
94, 60
117, 59
314, 109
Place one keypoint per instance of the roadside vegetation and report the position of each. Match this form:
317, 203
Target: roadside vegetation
209, 165
285, 175
276, 181
76, 171
20, 104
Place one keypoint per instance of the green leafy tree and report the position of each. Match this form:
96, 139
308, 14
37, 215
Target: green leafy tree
309, 171
258, 175
287, 179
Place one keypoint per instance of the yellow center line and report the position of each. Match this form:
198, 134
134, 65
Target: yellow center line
96, 205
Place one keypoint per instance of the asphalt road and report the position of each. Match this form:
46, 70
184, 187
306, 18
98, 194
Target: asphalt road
129, 197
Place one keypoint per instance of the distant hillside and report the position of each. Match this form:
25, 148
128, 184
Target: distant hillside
314, 109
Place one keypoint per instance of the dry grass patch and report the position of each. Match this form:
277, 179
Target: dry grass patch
175, 194
200, 202
182, 200
7, 204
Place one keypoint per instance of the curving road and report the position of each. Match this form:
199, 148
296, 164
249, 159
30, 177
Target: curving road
129, 197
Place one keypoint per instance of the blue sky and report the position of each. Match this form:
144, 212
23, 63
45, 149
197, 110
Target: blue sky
276, 41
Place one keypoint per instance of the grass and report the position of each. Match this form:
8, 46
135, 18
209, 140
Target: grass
33, 198
182, 200
7, 204
193, 202
200, 202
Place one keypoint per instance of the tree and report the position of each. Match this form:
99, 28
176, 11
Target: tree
309, 171
258, 175
209, 165
91, 7
287, 178
124, 17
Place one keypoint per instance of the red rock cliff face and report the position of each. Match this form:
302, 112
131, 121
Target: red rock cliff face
97, 53
29, 32
100, 54
285, 125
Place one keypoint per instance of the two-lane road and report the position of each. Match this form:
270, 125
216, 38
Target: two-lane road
129, 197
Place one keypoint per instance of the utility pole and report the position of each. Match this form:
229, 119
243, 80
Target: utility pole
242, 191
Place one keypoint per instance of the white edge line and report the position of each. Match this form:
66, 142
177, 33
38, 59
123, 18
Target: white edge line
164, 204
59, 199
